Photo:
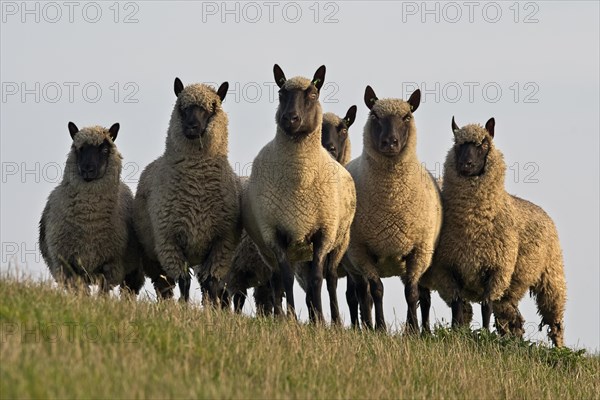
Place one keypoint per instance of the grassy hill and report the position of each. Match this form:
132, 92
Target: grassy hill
55, 344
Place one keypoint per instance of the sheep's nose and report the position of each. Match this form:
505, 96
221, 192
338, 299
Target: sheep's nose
291, 118
331, 148
87, 168
389, 143
469, 164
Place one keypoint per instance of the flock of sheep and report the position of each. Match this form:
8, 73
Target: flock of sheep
307, 213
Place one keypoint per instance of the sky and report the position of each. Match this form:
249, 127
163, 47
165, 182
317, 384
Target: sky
533, 66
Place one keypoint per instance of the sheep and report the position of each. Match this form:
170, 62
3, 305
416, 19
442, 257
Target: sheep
495, 246
85, 232
248, 269
335, 140
398, 212
187, 204
299, 203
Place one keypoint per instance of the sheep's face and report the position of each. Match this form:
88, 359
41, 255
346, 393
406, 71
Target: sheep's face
92, 148
197, 105
334, 138
391, 121
389, 133
335, 132
472, 146
299, 112
470, 157
92, 160
194, 120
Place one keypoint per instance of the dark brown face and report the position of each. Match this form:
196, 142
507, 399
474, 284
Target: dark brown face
92, 161
390, 133
298, 113
195, 119
334, 138
471, 158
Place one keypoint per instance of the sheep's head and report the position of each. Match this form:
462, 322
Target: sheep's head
92, 148
197, 105
335, 132
390, 121
299, 112
472, 144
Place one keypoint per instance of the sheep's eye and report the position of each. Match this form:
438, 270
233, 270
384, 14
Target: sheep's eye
344, 131
374, 116
312, 96
407, 118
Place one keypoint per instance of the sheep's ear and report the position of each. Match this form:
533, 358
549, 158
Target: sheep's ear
223, 90
319, 77
415, 100
113, 130
370, 97
279, 76
73, 129
350, 116
455, 127
178, 86
489, 126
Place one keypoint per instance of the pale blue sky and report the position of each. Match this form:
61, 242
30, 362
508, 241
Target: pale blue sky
547, 119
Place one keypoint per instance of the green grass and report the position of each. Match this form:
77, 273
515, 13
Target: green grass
55, 344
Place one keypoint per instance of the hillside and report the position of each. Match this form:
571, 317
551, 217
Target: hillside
55, 344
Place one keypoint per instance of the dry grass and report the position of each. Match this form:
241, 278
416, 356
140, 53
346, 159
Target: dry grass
58, 345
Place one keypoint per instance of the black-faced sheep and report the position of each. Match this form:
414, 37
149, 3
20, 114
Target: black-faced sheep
398, 213
187, 205
86, 233
248, 269
299, 203
494, 246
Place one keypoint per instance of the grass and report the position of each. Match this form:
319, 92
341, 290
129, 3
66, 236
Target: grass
59, 345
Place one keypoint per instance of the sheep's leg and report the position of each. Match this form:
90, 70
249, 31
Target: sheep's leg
264, 300
551, 307
411, 293
377, 292
277, 289
457, 304
332, 280
172, 260
311, 311
215, 265
239, 298
425, 305
133, 282
111, 274
224, 299
411, 289
457, 312
315, 282
352, 299
486, 314
185, 282
507, 316
163, 284
365, 301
